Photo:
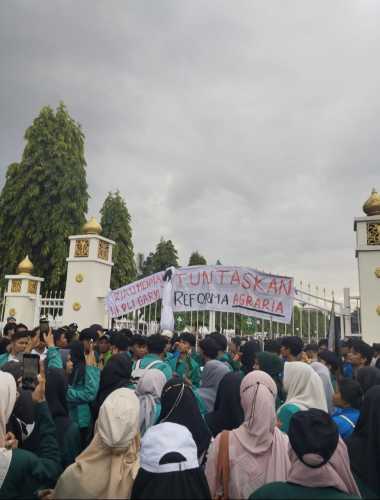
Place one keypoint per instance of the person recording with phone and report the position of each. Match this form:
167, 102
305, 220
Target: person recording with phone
24, 472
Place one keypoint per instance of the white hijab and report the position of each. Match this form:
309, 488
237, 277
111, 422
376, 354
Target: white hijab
108, 467
148, 390
303, 386
8, 392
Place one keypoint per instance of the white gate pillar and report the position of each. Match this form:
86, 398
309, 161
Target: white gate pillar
368, 257
23, 294
89, 267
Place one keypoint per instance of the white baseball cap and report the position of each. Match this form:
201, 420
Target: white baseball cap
168, 438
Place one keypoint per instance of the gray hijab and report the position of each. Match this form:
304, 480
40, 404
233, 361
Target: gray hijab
324, 375
212, 374
148, 390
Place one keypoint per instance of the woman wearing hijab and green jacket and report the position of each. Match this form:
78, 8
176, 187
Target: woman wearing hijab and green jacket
23, 473
84, 379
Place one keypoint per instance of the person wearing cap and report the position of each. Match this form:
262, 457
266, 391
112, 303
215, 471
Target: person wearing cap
184, 365
320, 465
156, 355
169, 466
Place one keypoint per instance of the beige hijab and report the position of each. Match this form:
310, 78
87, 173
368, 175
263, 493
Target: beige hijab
108, 466
8, 394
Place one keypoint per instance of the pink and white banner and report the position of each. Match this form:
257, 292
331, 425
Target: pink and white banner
233, 289
212, 288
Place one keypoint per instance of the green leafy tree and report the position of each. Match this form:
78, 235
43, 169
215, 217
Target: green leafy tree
44, 199
196, 259
116, 224
165, 256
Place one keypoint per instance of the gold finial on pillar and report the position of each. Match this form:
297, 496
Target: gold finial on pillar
92, 226
25, 266
372, 205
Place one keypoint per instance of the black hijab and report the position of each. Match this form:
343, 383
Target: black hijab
368, 376
187, 485
116, 374
56, 389
79, 360
179, 405
228, 413
364, 443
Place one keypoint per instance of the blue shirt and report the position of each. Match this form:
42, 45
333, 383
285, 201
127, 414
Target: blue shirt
347, 369
346, 419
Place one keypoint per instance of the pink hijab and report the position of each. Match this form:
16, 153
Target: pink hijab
258, 434
258, 450
335, 474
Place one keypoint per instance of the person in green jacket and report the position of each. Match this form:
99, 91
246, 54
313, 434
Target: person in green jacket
319, 462
223, 355
84, 379
184, 365
155, 357
24, 472
68, 432
20, 343
103, 350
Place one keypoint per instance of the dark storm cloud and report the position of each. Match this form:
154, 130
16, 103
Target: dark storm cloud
246, 130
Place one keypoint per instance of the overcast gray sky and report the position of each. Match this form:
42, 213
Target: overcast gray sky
246, 130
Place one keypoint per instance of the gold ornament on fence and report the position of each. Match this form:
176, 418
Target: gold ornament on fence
12, 312
103, 250
76, 306
79, 278
373, 234
378, 310
32, 287
16, 286
82, 248
377, 272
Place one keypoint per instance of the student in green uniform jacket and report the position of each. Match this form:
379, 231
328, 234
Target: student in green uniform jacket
184, 365
155, 357
23, 473
68, 433
320, 466
84, 378
223, 356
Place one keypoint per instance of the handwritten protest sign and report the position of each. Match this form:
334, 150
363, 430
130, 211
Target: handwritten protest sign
135, 295
233, 289
212, 288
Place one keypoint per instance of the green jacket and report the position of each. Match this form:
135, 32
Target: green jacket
187, 367
282, 490
53, 357
71, 445
285, 414
162, 365
29, 472
80, 395
227, 360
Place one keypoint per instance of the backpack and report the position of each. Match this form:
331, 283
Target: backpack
138, 372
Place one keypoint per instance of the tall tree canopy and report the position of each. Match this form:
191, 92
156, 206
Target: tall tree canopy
196, 259
116, 224
165, 256
44, 199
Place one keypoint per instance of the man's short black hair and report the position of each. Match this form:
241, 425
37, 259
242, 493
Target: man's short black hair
220, 340
248, 357
351, 392
57, 334
273, 346
376, 347
9, 327
21, 334
364, 349
4, 342
157, 344
188, 337
209, 347
331, 358
139, 340
88, 334
237, 341
120, 341
293, 343
311, 347
21, 327
323, 342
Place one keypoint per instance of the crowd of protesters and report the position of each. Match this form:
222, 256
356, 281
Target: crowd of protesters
116, 414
